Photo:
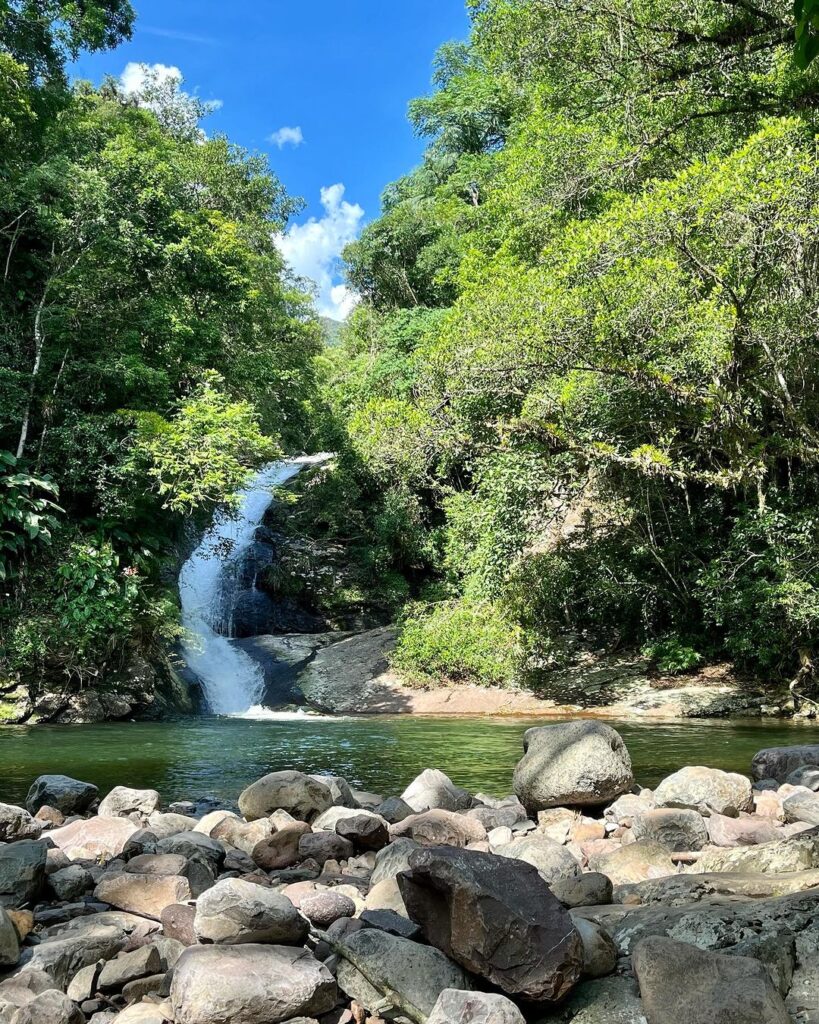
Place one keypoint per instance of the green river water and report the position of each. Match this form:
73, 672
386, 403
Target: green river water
218, 757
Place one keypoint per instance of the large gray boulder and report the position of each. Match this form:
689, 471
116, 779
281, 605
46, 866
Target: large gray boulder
778, 762
555, 863
49, 1007
457, 1007
433, 790
795, 853
706, 790
66, 794
803, 805
234, 911
676, 828
497, 918
582, 763
16, 823
122, 802
392, 859
679, 982
65, 954
439, 828
250, 984
298, 794
635, 862
22, 871
347, 677
419, 973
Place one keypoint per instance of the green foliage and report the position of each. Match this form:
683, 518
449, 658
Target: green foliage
204, 455
464, 641
672, 656
27, 513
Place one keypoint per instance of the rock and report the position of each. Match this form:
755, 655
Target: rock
582, 763
344, 677
142, 1013
23, 921
496, 817
626, 807
705, 790
68, 795
235, 911
456, 1007
66, 954
433, 790
92, 838
328, 820
613, 1000
635, 862
776, 952
746, 830
554, 862
166, 825
806, 775
365, 831
394, 809
599, 950
250, 984
178, 923
676, 829
778, 762
70, 883
419, 973
802, 806
324, 846
497, 918
9, 941
139, 963
302, 796
51, 1007
22, 871
16, 823
122, 802
153, 985
147, 895
210, 821
796, 853
439, 828
194, 846
339, 790
50, 816
591, 889
281, 850
322, 908
391, 922
679, 982
392, 859
679, 890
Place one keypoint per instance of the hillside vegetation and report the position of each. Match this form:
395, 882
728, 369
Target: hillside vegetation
577, 406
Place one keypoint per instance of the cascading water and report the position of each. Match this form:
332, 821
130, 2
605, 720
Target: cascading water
232, 681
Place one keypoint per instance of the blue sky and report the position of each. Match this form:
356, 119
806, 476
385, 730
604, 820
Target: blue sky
336, 76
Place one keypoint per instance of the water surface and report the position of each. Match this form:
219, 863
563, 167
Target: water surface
219, 757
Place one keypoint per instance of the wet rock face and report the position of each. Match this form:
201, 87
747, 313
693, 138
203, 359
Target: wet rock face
497, 918
582, 763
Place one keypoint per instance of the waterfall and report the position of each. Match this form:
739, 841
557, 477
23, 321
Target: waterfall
232, 681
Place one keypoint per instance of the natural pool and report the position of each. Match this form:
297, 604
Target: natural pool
218, 756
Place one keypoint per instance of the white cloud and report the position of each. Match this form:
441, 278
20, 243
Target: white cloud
136, 76
313, 250
287, 136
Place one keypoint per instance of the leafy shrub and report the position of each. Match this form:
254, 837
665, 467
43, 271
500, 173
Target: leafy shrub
460, 640
672, 656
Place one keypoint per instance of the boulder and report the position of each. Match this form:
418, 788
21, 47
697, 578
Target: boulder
626, 807
599, 950
22, 871
583, 763
122, 802
324, 846
339, 790
302, 796
554, 862
392, 859
322, 908
796, 853
612, 1000
68, 795
419, 973
806, 775
365, 831
50, 1007
386, 895
497, 918
9, 941
635, 862
147, 895
178, 923
433, 790
591, 889
679, 890
675, 828
70, 883
439, 828
802, 805
64, 955
394, 809
249, 984
679, 982
280, 850
344, 677
390, 922
163, 826
706, 790
327, 821
137, 963
234, 911
16, 823
193, 846
92, 838
457, 1007
746, 830
778, 762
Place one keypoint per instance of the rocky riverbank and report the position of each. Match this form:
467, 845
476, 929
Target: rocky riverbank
579, 897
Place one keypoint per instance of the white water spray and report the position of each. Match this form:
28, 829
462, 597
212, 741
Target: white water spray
232, 681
